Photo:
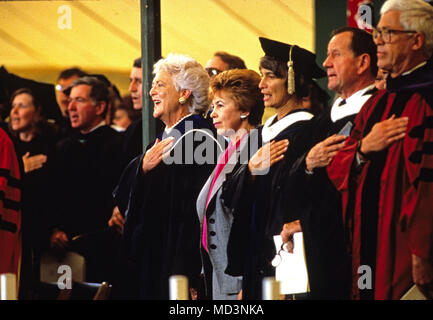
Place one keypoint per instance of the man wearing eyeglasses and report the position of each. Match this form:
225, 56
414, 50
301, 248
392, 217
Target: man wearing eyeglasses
222, 61
385, 170
65, 79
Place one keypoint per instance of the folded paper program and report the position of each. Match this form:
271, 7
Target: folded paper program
292, 271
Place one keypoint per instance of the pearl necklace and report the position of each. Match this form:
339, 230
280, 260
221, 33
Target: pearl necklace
167, 129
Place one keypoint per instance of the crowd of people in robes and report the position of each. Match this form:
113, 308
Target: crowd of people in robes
207, 197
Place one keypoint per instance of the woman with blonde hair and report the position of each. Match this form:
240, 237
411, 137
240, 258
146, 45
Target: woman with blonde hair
237, 110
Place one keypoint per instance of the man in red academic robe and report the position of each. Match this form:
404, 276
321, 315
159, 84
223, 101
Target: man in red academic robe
385, 170
10, 214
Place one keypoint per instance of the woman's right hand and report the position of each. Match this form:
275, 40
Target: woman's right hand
155, 154
34, 162
266, 156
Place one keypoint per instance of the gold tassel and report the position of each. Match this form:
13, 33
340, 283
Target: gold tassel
290, 75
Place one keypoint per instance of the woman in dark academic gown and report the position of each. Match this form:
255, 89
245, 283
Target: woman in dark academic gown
252, 249
34, 140
162, 233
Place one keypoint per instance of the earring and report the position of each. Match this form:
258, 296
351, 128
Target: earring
182, 100
243, 116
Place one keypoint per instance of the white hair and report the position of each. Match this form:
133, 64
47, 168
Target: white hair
415, 15
187, 74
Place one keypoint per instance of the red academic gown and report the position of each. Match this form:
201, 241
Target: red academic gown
387, 201
10, 214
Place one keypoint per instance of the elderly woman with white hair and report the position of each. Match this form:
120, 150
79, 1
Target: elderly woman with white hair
161, 232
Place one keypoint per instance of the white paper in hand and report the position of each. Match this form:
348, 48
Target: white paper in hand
292, 270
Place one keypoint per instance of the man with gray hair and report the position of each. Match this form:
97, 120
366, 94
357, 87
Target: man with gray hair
385, 170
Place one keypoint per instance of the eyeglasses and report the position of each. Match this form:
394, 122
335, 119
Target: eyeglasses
277, 259
212, 71
60, 87
385, 33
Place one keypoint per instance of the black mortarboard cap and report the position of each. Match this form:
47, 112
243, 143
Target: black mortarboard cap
44, 93
304, 61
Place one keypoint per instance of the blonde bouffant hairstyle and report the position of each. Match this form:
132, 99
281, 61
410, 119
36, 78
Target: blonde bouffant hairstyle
243, 86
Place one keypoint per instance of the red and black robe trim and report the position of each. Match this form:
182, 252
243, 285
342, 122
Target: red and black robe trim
418, 131
370, 194
416, 156
425, 175
7, 226
13, 183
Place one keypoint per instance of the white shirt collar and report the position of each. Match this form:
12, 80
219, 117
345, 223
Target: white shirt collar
353, 104
422, 64
100, 124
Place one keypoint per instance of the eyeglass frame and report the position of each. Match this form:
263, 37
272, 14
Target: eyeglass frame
376, 32
212, 71
278, 256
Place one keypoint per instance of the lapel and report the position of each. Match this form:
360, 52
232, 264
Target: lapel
202, 197
231, 163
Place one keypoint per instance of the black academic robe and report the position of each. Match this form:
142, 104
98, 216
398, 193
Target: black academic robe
132, 142
251, 249
161, 233
314, 201
36, 184
64, 123
87, 170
